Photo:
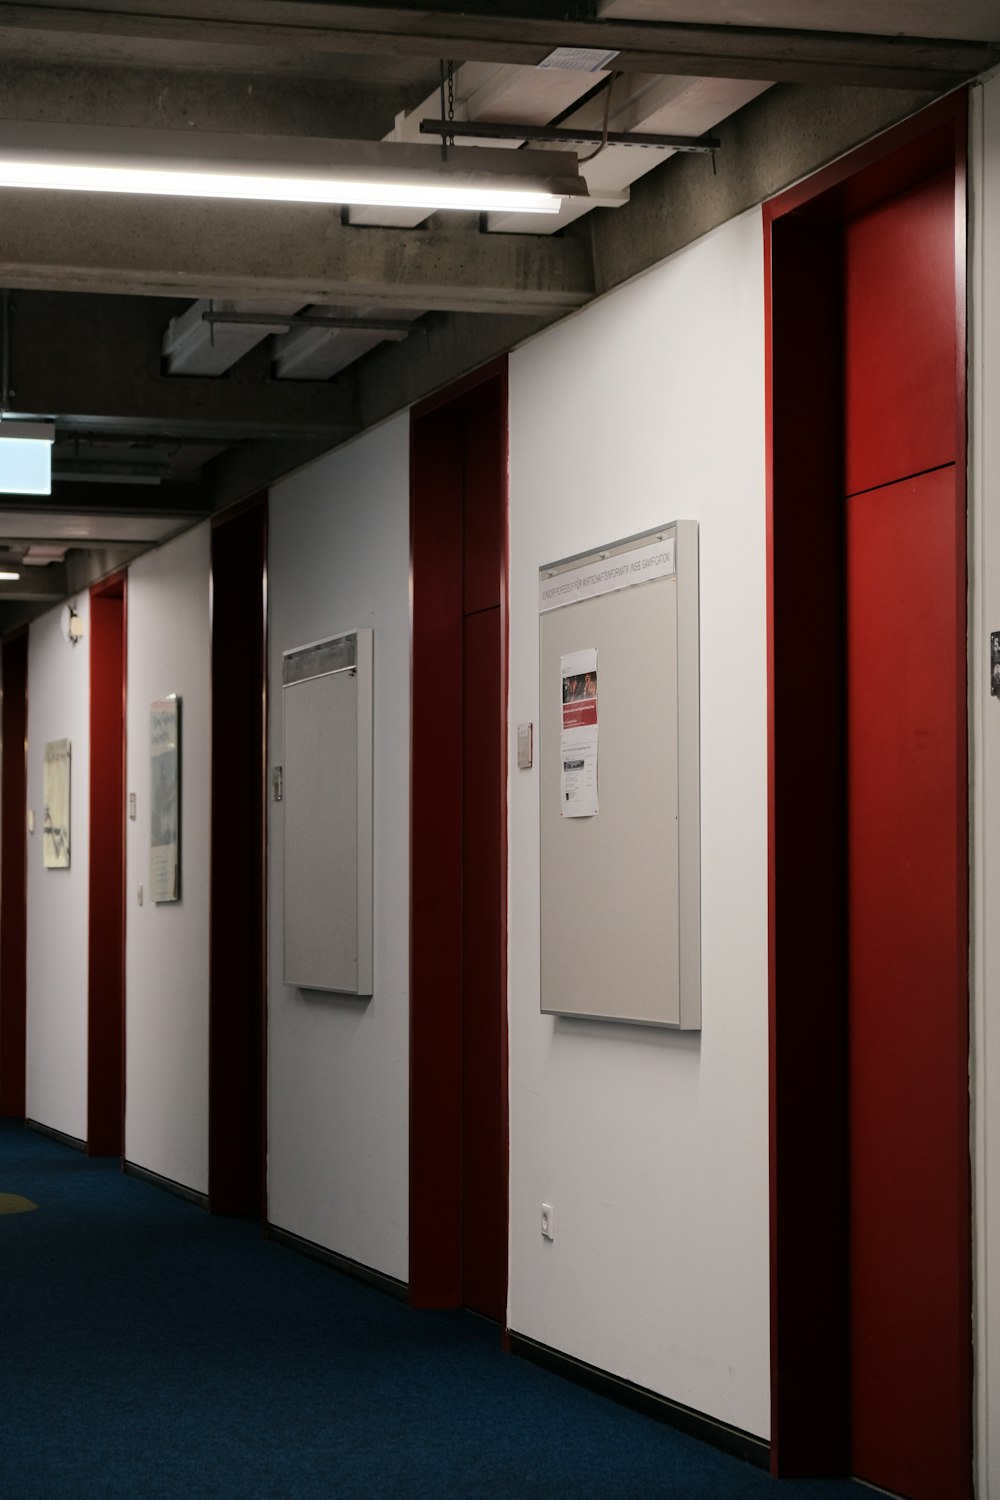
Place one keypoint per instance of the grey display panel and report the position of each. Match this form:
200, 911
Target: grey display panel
327, 800
621, 889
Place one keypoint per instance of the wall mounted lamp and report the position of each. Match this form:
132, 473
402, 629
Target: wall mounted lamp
26, 457
285, 169
72, 625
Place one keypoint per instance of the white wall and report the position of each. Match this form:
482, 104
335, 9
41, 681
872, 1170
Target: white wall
339, 1067
984, 616
166, 953
58, 900
652, 1147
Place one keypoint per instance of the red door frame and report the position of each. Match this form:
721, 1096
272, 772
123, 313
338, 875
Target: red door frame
436, 588
106, 921
14, 878
237, 1052
806, 777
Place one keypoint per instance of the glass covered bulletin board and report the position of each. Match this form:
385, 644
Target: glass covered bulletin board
620, 788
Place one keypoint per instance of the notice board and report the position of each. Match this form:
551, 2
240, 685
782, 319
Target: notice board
327, 795
620, 781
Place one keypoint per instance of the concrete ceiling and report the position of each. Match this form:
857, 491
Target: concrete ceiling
165, 415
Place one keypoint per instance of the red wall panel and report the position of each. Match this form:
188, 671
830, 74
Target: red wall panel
458, 1057
13, 879
868, 860
900, 337
237, 1147
909, 1143
106, 960
436, 866
484, 1154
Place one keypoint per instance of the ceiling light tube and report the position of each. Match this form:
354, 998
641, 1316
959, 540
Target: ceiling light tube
283, 169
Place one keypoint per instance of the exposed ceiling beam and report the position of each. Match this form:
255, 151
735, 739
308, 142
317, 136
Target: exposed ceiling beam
959, 18
775, 140
94, 91
240, 472
93, 363
81, 514
85, 544
523, 33
48, 584
78, 242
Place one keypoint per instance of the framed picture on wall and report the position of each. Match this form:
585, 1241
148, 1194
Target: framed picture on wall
165, 799
55, 793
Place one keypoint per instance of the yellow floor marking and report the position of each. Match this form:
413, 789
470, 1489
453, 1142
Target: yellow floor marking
13, 1203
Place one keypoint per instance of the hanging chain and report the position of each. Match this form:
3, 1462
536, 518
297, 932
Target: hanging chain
451, 99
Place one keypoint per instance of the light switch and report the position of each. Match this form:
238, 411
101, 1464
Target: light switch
131, 806
525, 746
31, 820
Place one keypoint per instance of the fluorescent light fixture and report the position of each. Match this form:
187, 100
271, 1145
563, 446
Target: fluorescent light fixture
8, 577
283, 169
26, 458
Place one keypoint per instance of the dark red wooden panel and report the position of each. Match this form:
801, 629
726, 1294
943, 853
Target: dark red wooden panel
436, 864
13, 878
899, 336
810, 1249
907, 856
484, 437
106, 952
808, 1121
458, 1063
237, 984
484, 1157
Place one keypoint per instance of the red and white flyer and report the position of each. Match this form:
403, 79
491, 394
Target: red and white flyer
578, 742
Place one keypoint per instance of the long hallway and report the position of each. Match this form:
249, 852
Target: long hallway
152, 1351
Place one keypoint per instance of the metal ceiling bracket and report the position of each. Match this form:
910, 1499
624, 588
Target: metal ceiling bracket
488, 131
392, 329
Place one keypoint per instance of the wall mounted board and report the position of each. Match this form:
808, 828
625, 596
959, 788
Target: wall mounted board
620, 782
327, 797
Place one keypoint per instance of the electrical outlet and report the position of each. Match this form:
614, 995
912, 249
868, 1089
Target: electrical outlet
548, 1222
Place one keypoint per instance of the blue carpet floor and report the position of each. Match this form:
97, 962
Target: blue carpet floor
149, 1350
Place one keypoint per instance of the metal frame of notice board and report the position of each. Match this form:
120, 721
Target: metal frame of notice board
326, 789
619, 765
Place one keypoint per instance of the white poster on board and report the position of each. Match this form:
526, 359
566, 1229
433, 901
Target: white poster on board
578, 742
164, 840
55, 792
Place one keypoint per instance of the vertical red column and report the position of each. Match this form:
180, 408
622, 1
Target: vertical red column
868, 836
237, 1116
106, 948
907, 844
13, 878
484, 777
458, 1062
